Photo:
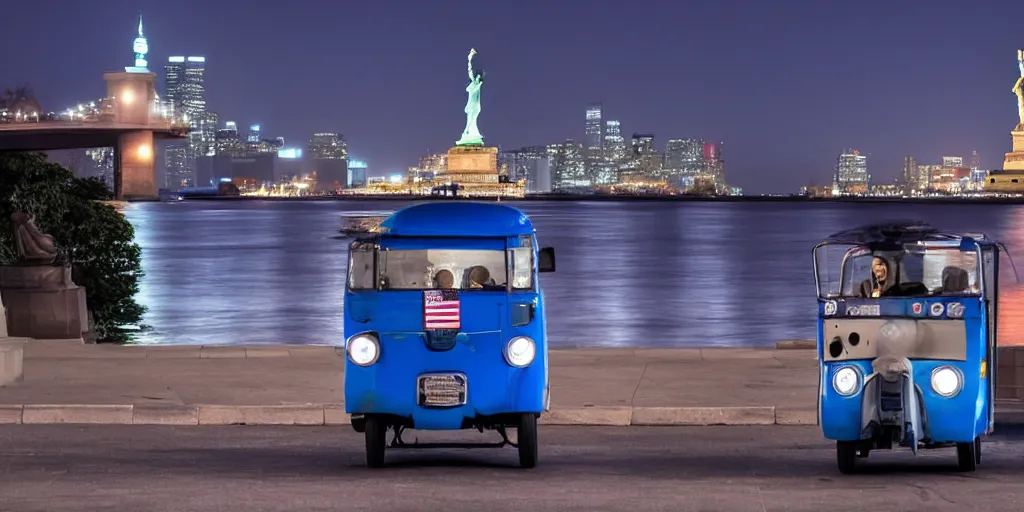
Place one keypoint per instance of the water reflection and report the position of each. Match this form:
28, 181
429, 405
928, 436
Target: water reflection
629, 274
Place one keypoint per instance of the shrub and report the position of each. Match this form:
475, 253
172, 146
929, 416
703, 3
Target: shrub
91, 236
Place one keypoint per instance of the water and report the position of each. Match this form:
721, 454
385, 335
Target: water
629, 274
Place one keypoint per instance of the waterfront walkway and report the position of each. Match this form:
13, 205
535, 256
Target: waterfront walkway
68, 382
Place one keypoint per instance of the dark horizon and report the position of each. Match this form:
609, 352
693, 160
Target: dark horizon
784, 87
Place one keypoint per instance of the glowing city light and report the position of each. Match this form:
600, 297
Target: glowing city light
356, 164
127, 97
289, 153
395, 179
144, 152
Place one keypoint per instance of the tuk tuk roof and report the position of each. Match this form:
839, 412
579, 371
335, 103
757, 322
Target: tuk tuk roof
457, 218
899, 233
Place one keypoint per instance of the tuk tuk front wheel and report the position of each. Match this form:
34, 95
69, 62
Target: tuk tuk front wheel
375, 431
967, 455
846, 456
527, 440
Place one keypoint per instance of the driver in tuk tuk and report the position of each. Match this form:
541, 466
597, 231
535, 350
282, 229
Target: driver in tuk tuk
879, 283
444, 279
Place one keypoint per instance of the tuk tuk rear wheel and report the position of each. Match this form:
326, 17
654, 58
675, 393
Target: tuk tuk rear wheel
527, 440
846, 456
967, 455
375, 431
977, 450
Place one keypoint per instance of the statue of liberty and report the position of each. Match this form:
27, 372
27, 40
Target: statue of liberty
471, 135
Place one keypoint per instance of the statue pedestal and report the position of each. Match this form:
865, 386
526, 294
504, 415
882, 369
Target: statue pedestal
1014, 160
473, 167
43, 302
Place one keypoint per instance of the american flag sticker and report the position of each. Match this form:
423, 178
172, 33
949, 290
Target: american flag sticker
441, 309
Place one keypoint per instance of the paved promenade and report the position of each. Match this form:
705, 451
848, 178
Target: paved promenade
68, 382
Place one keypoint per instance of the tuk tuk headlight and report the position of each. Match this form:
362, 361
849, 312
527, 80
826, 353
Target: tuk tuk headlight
846, 381
955, 310
363, 349
831, 307
520, 351
947, 381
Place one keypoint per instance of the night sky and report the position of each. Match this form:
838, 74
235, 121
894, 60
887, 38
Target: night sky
785, 85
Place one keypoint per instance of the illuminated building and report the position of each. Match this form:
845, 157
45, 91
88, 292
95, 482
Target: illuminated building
644, 163
615, 152
356, 174
975, 160
851, 173
185, 89
102, 160
593, 127
952, 162
684, 161
594, 141
714, 167
329, 155
518, 160
566, 165
910, 175
924, 175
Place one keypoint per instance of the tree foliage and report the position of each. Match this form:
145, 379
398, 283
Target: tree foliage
91, 236
20, 99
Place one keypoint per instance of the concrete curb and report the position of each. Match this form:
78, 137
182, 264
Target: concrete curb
334, 414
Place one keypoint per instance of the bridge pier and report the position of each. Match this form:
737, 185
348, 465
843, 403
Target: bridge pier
134, 171
134, 175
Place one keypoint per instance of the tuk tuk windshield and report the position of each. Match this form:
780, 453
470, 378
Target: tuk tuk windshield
425, 269
916, 270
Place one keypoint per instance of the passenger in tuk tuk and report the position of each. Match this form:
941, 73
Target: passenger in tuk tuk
444, 279
445, 327
907, 357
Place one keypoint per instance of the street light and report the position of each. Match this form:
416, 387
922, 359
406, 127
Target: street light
145, 152
127, 96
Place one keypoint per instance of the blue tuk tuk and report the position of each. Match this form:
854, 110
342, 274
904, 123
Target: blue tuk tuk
906, 340
445, 327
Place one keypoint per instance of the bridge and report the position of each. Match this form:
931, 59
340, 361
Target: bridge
129, 119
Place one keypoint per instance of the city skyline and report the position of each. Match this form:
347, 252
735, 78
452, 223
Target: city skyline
783, 107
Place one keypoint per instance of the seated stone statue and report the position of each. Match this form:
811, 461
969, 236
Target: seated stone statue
33, 246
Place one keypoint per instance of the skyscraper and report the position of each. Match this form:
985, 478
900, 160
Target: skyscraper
975, 160
684, 161
329, 153
910, 174
566, 165
185, 89
851, 173
594, 125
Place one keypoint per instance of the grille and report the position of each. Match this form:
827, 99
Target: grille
441, 389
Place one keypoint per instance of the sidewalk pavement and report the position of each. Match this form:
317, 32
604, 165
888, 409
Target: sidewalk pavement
68, 382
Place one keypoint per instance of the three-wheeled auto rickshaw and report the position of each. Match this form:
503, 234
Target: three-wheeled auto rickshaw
906, 340
445, 327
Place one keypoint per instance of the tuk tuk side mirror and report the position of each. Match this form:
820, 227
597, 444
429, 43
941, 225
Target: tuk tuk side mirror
546, 259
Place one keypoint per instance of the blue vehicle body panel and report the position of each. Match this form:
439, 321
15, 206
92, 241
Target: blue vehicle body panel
959, 419
489, 319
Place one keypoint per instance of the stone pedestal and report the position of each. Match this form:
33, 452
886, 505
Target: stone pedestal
12, 367
3, 319
1014, 160
473, 167
43, 302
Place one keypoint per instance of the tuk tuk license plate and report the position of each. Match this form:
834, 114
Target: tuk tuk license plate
441, 390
